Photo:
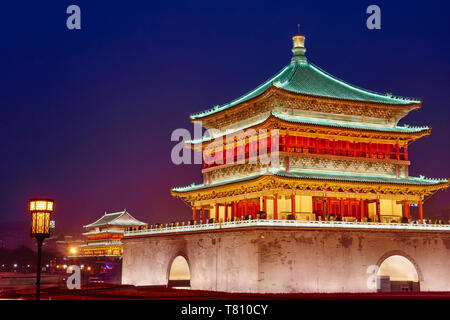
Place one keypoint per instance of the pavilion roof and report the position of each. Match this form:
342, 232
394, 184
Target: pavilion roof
344, 177
307, 79
121, 218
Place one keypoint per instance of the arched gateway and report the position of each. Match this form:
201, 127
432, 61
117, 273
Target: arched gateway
179, 274
398, 273
319, 257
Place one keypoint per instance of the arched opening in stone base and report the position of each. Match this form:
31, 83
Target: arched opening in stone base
179, 273
397, 273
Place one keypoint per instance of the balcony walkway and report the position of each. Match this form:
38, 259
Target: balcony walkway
290, 224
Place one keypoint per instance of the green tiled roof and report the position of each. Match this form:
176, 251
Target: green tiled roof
421, 180
121, 218
306, 78
194, 186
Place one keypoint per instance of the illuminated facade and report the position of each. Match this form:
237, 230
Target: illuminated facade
340, 153
305, 189
104, 236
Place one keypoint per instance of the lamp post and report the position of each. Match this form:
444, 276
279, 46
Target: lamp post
40, 210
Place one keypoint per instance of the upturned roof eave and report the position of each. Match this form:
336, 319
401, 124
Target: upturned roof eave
139, 223
407, 103
263, 95
111, 223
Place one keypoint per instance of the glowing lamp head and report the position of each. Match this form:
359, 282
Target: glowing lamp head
41, 205
40, 210
73, 250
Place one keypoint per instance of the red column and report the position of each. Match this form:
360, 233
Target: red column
287, 142
226, 211
265, 204
293, 204
286, 160
347, 205
233, 209
407, 210
246, 207
217, 212
397, 149
404, 213
361, 209
275, 207
405, 149
420, 212
194, 211
342, 208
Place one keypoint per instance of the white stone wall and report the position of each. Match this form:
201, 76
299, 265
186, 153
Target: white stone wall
286, 260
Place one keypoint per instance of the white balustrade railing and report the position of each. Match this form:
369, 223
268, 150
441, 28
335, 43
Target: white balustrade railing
289, 223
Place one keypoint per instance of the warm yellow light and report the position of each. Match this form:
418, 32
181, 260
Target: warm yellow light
89, 268
40, 210
41, 205
73, 250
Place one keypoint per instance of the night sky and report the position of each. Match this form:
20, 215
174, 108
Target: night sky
86, 115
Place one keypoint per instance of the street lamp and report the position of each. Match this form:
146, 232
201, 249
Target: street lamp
40, 210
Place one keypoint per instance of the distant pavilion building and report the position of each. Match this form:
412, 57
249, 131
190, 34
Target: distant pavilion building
103, 237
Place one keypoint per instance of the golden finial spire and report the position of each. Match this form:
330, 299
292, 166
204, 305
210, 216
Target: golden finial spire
298, 48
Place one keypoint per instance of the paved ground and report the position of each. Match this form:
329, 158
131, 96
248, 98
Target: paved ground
92, 291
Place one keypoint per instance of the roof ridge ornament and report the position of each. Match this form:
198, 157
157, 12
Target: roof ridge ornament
298, 48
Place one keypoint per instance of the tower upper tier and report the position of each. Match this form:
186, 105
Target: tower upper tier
302, 88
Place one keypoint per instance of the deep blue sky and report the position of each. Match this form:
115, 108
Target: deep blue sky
86, 116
